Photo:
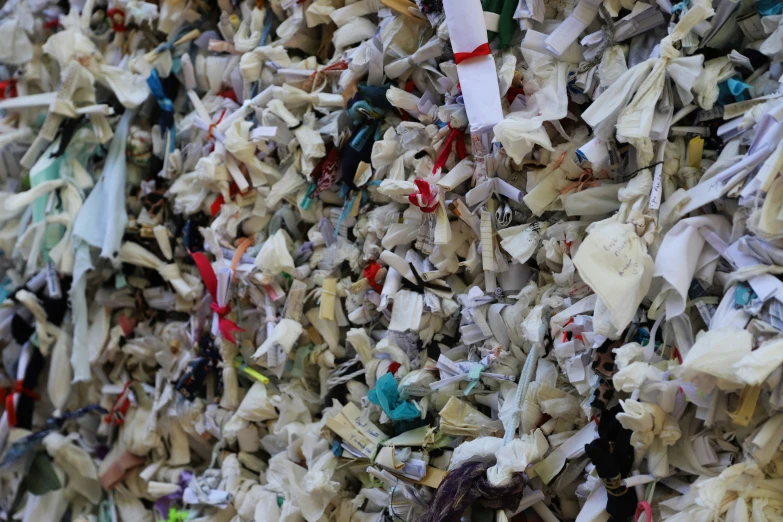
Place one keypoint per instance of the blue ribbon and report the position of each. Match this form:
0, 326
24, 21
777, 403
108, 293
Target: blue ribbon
165, 104
769, 7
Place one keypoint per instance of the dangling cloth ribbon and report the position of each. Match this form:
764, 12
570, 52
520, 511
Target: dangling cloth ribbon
227, 327
455, 136
242, 247
481, 50
166, 106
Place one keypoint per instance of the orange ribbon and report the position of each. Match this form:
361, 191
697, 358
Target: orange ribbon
585, 180
242, 247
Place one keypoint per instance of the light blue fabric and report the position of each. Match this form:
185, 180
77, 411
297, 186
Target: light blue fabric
739, 89
769, 7
102, 220
100, 223
475, 375
387, 397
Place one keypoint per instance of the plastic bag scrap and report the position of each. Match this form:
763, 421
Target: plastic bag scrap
381, 260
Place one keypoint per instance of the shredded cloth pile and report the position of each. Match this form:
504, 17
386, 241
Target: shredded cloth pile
391, 260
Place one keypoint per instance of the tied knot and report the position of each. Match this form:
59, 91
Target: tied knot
117, 18
8, 89
27, 392
481, 50
222, 311
121, 405
63, 108
213, 126
10, 406
371, 272
668, 51
457, 137
586, 180
169, 272
426, 198
225, 326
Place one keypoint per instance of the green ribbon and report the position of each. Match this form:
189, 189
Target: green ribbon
506, 25
178, 516
475, 375
492, 6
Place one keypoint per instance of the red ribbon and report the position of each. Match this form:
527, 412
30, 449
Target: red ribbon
227, 327
8, 86
371, 272
427, 198
120, 408
127, 324
229, 94
214, 208
9, 401
455, 136
118, 27
513, 92
481, 50
325, 174
213, 125
216, 205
